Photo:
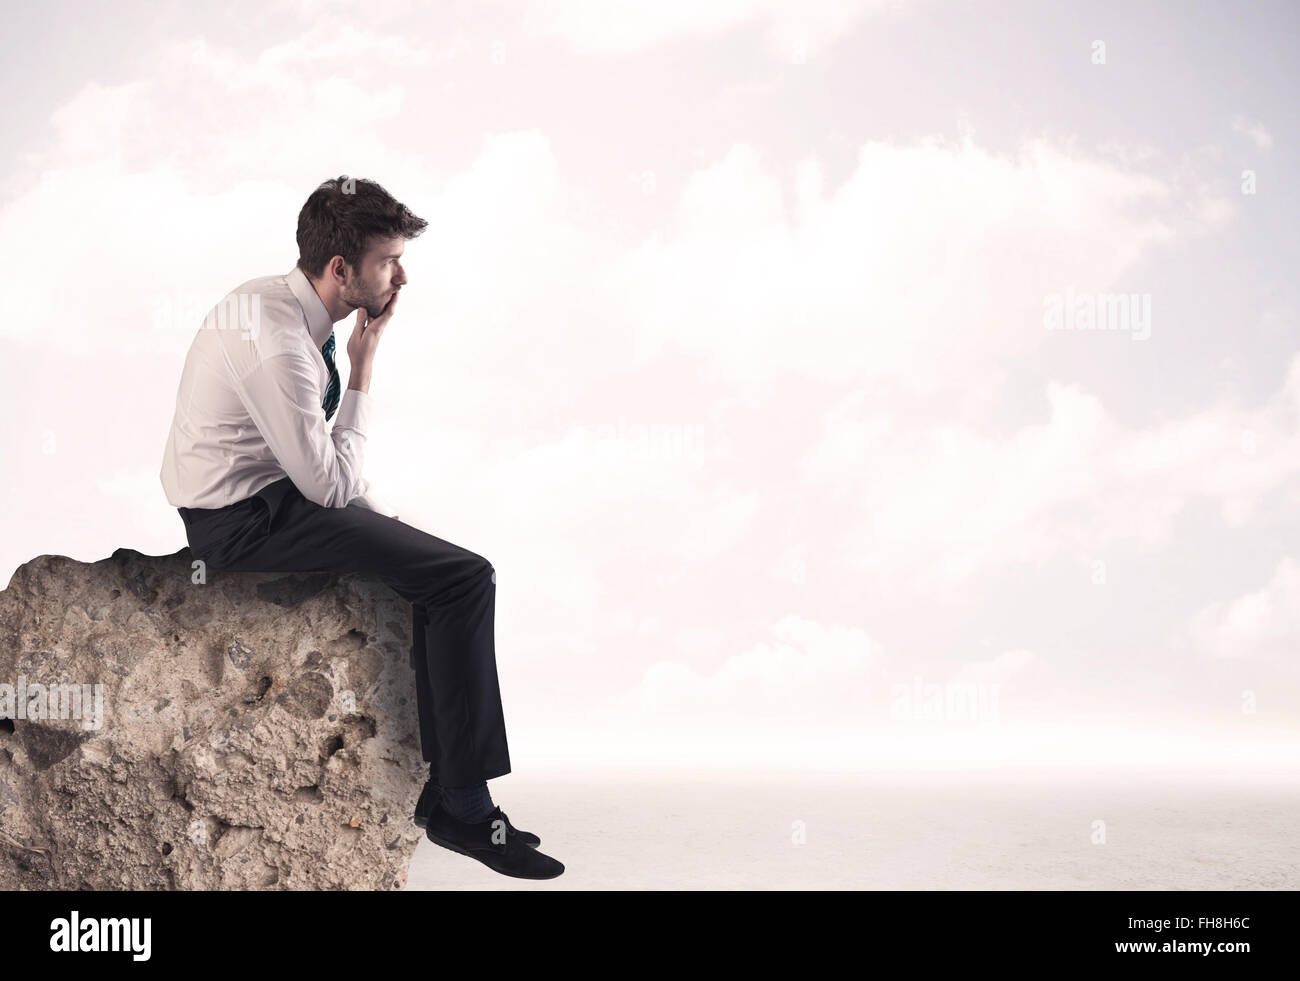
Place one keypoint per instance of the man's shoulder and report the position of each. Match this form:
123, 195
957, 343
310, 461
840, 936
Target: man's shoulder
266, 288
264, 313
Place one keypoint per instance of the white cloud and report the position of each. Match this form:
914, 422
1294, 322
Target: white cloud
809, 669
155, 194
1263, 625
791, 31
998, 669
1254, 129
928, 265
931, 505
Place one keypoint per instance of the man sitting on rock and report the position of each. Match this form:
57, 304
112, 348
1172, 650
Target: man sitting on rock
264, 485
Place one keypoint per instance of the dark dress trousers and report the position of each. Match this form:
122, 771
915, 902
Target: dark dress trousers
452, 592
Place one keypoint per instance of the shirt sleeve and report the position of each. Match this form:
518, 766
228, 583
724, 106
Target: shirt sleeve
283, 397
367, 499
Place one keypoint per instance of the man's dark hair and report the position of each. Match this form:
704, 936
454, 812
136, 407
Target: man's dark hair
342, 215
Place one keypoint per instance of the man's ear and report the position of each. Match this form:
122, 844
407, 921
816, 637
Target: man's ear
339, 267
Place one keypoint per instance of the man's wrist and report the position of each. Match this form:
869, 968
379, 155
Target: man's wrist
360, 380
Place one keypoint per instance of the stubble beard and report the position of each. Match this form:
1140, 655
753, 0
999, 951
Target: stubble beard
373, 303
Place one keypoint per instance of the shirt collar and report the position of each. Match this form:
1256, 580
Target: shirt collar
318, 318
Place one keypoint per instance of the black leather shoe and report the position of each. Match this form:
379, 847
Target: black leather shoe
491, 841
429, 799
424, 805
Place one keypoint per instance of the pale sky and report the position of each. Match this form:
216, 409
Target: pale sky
728, 345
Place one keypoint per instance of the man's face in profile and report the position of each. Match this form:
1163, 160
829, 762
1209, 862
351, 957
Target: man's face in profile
379, 277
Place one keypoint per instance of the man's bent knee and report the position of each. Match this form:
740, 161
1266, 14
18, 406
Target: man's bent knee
478, 574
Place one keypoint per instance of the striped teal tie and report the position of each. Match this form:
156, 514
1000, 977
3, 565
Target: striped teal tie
331, 401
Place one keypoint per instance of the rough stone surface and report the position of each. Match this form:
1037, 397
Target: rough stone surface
259, 730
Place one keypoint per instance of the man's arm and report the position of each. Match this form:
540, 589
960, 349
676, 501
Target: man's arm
283, 397
362, 344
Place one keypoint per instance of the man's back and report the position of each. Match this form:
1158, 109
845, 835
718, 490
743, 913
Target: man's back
252, 385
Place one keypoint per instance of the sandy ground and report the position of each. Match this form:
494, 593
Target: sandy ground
982, 830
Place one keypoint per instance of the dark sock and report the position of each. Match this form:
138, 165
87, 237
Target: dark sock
430, 794
469, 804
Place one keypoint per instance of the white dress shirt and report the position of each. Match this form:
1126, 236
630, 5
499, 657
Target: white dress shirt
248, 410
